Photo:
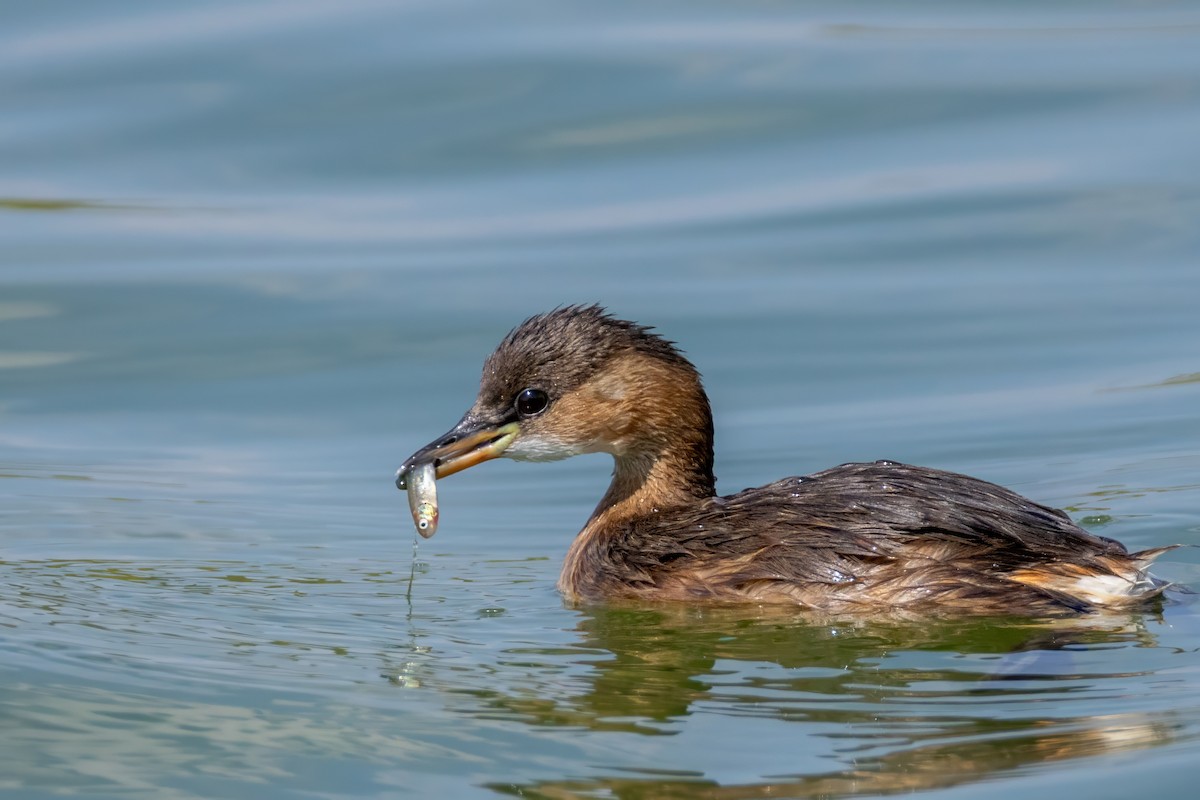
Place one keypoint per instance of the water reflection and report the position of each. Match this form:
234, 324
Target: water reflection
924, 767
901, 706
61, 204
186, 656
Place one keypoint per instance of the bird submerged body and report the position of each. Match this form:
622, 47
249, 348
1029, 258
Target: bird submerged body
857, 539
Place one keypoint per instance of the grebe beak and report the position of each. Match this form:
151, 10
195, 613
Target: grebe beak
472, 441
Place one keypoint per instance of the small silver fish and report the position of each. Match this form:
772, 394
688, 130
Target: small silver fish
422, 497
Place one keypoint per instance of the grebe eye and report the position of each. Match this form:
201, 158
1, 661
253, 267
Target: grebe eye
532, 402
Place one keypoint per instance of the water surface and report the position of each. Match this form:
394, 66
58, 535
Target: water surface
254, 256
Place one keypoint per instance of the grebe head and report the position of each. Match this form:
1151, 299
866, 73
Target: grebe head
576, 380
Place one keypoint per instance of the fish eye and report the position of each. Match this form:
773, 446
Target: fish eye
532, 402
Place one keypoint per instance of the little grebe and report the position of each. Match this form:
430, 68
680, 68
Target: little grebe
859, 538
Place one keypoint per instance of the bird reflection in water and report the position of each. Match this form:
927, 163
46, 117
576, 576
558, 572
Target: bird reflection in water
891, 707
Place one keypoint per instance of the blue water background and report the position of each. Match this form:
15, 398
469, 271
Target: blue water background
253, 255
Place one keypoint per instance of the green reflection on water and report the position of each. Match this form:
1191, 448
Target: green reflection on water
52, 204
903, 722
885, 706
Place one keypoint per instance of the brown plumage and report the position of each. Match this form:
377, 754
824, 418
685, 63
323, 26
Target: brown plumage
855, 539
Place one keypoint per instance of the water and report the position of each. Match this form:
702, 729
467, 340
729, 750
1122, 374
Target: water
254, 255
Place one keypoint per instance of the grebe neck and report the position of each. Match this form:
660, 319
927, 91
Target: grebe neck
644, 484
